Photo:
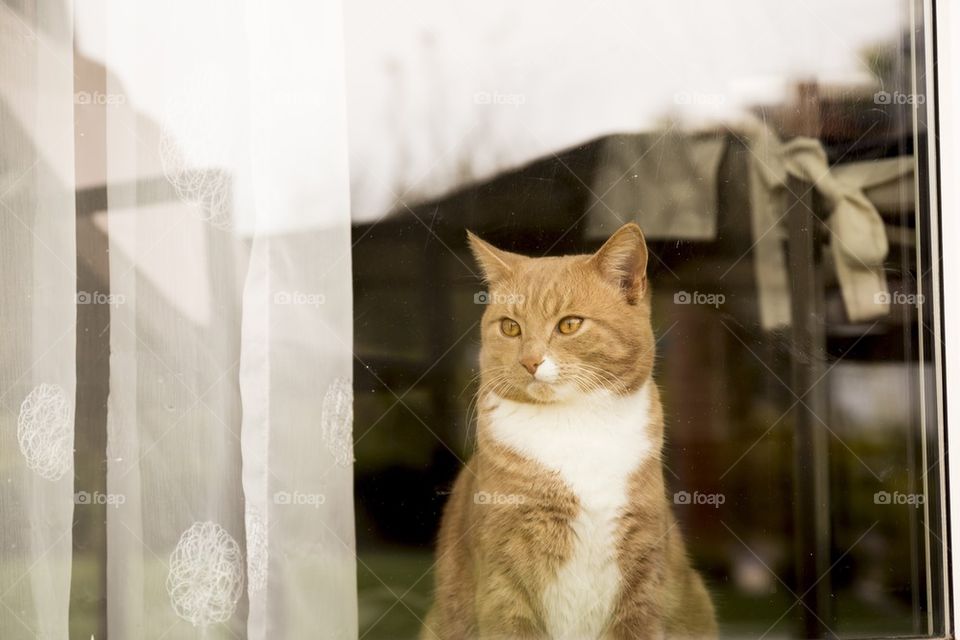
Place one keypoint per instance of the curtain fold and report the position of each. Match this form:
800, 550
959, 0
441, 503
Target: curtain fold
228, 454
37, 318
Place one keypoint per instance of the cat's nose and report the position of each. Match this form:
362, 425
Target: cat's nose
530, 363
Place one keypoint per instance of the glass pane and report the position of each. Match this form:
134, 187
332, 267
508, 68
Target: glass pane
775, 157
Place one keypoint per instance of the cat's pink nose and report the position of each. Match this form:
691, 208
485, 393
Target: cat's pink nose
530, 363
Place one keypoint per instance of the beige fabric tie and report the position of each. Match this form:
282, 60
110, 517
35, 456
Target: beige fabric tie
858, 240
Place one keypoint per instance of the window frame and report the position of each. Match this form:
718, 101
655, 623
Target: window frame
944, 84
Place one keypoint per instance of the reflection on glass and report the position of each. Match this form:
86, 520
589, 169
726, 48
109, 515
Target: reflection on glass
772, 157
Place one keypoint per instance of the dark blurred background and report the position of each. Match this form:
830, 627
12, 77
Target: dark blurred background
797, 427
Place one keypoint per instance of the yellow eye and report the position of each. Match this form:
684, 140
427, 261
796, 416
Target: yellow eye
510, 328
569, 325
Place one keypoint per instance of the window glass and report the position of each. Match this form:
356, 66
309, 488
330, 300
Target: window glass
775, 156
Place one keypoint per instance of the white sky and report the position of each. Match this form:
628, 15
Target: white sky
569, 71
419, 73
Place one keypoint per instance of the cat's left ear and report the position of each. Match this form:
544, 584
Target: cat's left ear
623, 261
496, 264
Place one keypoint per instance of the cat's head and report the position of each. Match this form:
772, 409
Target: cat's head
557, 329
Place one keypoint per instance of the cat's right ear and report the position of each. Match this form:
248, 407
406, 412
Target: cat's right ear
496, 264
623, 261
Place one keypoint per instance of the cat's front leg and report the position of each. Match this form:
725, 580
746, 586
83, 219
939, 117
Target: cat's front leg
509, 626
637, 629
641, 611
512, 630
503, 612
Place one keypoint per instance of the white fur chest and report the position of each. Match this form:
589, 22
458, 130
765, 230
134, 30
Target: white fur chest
595, 446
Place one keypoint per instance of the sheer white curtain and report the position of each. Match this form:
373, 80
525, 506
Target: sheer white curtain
37, 320
228, 454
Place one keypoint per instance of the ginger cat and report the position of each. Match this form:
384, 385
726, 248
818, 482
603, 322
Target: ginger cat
559, 525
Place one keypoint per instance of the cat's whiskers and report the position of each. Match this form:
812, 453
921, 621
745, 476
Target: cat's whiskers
586, 379
493, 374
494, 384
608, 379
599, 370
492, 369
596, 378
472, 406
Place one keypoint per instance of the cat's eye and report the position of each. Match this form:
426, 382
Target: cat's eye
510, 328
569, 325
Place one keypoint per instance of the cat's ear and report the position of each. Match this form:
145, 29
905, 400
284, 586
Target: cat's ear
623, 261
496, 264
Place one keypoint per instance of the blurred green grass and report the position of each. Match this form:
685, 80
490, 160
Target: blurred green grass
395, 589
